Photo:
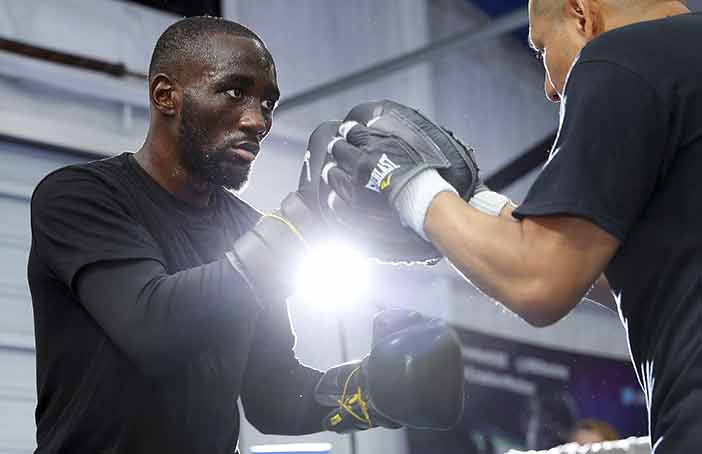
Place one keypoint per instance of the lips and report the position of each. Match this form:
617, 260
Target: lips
244, 154
246, 151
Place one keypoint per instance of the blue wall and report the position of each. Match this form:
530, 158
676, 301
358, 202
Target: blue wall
495, 8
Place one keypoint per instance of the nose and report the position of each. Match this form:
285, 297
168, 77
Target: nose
253, 121
550, 90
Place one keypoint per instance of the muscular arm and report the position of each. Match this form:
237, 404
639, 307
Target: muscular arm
159, 320
539, 268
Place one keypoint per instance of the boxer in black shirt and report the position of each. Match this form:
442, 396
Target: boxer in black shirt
159, 296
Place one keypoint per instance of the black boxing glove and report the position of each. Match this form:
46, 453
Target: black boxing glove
268, 254
413, 377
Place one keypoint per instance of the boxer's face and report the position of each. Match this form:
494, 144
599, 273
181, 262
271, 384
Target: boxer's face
227, 110
558, 38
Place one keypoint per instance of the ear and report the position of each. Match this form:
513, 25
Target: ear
165, 94
586, 16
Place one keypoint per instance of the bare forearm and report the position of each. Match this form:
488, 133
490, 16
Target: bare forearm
533, 267
487, 250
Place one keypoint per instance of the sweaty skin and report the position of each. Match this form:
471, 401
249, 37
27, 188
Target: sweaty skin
541, 267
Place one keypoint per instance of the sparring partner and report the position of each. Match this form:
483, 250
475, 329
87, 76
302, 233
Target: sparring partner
619, 195
159, 296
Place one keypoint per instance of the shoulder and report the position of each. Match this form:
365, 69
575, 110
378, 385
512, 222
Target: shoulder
652, 50
239, 208
631, 43
93, 179
623, 66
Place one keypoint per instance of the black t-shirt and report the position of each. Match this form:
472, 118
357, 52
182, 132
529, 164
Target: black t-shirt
628, 157
158, 367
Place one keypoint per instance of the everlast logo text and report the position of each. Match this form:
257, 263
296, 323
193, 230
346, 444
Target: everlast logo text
381, 171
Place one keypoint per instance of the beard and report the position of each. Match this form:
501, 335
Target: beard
213, 164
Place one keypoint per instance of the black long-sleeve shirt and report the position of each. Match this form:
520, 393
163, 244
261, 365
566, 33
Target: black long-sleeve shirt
145, 335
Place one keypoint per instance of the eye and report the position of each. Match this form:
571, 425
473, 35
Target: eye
235, 93
268, 104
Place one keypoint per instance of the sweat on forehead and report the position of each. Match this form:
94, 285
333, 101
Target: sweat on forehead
193, 40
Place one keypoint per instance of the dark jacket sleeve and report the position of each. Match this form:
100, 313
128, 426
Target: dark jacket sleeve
278, 391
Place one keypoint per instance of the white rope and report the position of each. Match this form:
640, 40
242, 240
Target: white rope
629, 446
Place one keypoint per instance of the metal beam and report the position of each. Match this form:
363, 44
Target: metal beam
73, 78
67, 58
501, 25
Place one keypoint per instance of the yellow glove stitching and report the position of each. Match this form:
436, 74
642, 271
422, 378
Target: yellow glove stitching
357, 396
287, 223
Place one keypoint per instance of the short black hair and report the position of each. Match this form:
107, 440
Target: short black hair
188, 39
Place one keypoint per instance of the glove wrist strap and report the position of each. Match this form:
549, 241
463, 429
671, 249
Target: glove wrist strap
413, 201
267, 255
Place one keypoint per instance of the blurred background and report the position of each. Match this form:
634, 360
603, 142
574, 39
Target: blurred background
72, 89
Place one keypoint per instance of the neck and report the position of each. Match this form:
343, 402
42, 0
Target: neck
159, 158
651, 11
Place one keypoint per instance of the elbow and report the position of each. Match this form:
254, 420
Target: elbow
265, 423
540, 305
255, 418
261, 415
540, 320
262, 426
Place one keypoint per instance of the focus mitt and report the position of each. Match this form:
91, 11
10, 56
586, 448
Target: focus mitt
372, 156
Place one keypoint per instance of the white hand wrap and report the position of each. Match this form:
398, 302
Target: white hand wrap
413, 201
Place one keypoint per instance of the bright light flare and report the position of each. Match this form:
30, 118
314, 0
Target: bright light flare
333, 275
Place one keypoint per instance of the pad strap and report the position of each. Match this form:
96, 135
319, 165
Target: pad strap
489, 202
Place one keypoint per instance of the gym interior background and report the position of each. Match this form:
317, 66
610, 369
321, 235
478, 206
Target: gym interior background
72, 89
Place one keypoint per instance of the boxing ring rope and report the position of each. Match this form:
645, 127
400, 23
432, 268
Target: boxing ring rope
631, 445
